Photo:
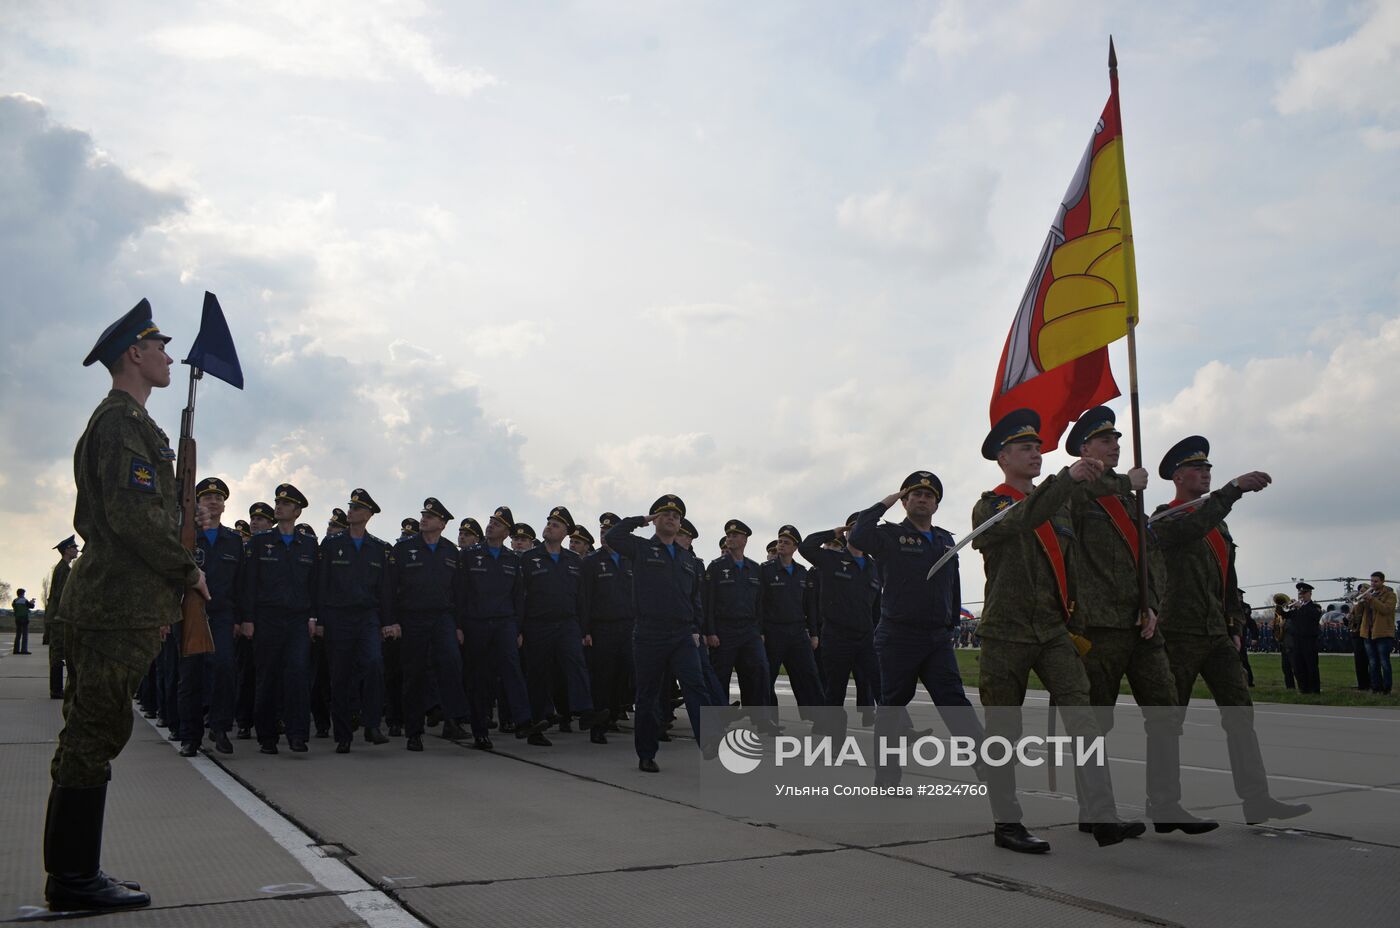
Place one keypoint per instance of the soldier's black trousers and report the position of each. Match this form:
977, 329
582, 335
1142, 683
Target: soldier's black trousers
1285, 651
245, 685
741, 648
846, 651
493, 655
552, 650
390, 652
429, 645
910, 656
353, 655
168, 678
282, 648
1305, 669
609, 660
210, 674
657, 655
790, 647
320, 673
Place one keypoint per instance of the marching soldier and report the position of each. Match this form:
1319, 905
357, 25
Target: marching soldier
338, 522
848, 594
667, 584
731, 592
244, 530
279, 605
686, 538
320, 663
260, 519
53, 630
408, 528
1028, 605
426, 582
581, 541
553, 639
468, 533
1198, 614
788, 627
355, 611
1125, 643
523, 537
607, 613
490, 606
219, 551
125, 589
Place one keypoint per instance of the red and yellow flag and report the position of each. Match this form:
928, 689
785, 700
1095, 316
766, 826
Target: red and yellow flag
1080, 297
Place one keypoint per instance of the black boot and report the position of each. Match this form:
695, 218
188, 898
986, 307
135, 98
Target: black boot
55, 681
73, 851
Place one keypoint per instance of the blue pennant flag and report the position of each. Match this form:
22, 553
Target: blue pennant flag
213, 351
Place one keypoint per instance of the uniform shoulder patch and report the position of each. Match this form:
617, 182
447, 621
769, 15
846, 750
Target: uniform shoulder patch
141, 475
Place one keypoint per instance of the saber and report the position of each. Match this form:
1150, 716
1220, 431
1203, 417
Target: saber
1175, 509
948, 555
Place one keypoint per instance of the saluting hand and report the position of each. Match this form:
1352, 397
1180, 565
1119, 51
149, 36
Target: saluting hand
893, 498
1137, 478
1254, 481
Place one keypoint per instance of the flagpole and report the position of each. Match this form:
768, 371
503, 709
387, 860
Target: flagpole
1130, 281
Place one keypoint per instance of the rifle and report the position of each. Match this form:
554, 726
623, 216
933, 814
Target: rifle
213, 353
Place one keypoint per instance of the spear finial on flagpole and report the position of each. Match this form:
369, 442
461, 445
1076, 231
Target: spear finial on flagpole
1112, 55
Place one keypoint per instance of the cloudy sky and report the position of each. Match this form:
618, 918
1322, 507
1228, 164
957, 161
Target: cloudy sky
762, 255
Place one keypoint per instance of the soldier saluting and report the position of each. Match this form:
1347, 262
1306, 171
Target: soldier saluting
124, 590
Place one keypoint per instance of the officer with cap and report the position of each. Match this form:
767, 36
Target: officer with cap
408, 528
116, 600
553, 639
337, 523
260, 519
244, 530
666, 581
426, 582
607, 614
279, 606
355, 611
320, 664
1302, 622
1198, 614
490, 606
523, 537
789, 629
581, 541
1125, 642
468, 533
1028, 606
731, 591
686, 538
219, 550
53, 616
848, 603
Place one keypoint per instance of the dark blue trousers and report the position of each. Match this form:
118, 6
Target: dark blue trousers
846, 651
554, 650
790, 647
432, 669
245, 685
717, 696
207, 680
741, 648
657, 656
282, 651
168, 678
494, 656
909, 656
609, 660
356, 668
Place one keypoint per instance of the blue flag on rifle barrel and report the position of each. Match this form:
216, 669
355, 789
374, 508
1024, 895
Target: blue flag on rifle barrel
213, 351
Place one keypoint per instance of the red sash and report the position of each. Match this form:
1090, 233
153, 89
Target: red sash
1045, 534
1121, 521
1216, 541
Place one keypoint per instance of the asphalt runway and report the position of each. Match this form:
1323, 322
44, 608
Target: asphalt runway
575, 835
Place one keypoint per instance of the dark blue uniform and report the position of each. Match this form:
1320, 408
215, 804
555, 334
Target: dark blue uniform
848, 592
553, 639
918, 619
426, 588
490, 606
607, 613
207, 679
279, 599
788, 629
731, 594
666, 584
355, 602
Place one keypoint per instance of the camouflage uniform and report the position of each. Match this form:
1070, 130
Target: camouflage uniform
53, 629
1198, 621
123, 589
1107, 605
1023, 628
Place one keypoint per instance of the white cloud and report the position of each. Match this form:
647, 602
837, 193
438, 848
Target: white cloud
1356, 75
513, 340
696, 317
943, 215
371, 40
948, 32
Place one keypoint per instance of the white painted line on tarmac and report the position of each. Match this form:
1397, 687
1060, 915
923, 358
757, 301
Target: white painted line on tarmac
376, 908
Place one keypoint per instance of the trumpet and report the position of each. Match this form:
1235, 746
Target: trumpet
1285, 603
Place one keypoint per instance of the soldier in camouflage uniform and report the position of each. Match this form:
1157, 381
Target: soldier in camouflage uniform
115, 603
53, 630
1198, 613
1125, 643
1028, 603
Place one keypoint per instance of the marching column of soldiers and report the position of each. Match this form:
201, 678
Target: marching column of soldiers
516, 632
